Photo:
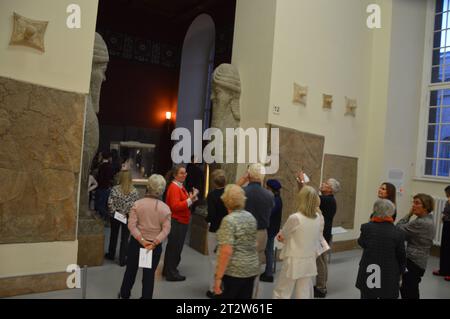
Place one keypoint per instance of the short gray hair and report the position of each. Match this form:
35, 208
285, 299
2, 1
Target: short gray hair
383, 208
256, 171
156, 185
334, 184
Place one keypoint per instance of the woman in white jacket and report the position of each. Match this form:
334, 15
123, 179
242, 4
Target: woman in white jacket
301, 235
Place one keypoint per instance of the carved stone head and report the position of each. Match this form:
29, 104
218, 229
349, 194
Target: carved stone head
226, 84
99, 64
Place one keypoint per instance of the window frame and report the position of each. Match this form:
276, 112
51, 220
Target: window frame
427, 87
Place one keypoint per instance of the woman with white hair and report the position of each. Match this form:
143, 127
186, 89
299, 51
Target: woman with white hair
149, 224
301, 236
384, 256
237, 260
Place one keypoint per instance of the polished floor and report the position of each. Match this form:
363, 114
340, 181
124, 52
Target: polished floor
104, 282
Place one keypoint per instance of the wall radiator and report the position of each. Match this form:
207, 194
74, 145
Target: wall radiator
437, 219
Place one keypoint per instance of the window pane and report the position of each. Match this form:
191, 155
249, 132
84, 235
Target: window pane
438, 22
444, 20
432, 150
445, 5
439, 5
432, 132
445, 115
433, 115
430, 167
436, 75
444, 150
436, 57
434, 98
446, 75
437, 43
445, 132
444, 167
445, 95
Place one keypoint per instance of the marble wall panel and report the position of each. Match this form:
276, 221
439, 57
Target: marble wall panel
41, 133
297, 150
345, 170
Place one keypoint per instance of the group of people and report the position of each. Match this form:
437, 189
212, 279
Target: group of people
244, 220
237, 250
387, 269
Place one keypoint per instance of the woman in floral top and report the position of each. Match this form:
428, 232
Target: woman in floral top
120, 200
237, 259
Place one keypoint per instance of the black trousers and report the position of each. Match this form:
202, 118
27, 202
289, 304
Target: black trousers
237, 288
411, 280
175, 244
148, 275
444, 268
124, 237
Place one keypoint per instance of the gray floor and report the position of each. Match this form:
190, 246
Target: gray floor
104, 282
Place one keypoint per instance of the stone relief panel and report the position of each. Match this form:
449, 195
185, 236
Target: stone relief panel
345, 170
41, 133
350, 106
28, 32
300, 94
298, 150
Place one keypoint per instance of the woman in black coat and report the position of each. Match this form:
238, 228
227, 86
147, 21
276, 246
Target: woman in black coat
444, 269
384, 257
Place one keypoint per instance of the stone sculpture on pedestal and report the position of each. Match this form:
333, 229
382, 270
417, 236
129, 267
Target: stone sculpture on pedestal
91, 133
226, 92
90, 230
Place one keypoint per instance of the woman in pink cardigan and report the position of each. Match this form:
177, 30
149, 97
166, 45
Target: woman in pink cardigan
149, 224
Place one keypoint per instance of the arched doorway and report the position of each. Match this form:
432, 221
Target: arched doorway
197, 63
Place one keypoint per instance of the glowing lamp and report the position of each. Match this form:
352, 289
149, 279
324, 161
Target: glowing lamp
168, 115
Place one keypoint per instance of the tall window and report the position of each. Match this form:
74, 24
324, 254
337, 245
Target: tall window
437, 162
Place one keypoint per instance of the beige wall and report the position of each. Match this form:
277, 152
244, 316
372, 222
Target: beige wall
252, 55
327, 46
404, 95
66, 64
38, 258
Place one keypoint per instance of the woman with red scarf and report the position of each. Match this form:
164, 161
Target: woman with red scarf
384, 257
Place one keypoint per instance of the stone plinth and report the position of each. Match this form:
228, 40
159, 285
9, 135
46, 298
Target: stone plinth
91, 241
345, 170
199, 231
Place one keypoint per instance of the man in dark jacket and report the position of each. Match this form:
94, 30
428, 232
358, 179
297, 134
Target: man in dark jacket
216, 212
328, 208
259, 203
384, 256
274, 227
195, 179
